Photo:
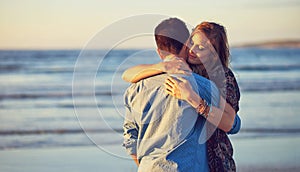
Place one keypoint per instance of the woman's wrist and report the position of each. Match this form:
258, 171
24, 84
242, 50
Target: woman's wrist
193, 99
199, 104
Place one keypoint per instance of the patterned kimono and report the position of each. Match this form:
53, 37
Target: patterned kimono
219, 148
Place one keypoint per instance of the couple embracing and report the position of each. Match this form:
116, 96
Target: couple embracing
180, 111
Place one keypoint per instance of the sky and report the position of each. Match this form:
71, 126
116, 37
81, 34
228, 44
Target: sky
70, 24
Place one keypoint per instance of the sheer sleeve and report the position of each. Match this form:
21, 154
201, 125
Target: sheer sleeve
232, 91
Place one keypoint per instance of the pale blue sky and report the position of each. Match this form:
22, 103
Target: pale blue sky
41, 24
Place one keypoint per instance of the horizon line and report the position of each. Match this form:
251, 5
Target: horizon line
295, 41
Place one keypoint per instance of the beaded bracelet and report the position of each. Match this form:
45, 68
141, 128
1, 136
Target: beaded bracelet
204, 109
200, 109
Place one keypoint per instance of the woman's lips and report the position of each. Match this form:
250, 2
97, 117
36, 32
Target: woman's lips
192, 55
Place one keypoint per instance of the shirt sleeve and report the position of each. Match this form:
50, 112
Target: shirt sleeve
207, 90
130, 129
236, 125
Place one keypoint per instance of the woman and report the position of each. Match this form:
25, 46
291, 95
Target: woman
203, 59
208, 55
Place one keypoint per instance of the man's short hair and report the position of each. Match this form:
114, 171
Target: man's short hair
170, 35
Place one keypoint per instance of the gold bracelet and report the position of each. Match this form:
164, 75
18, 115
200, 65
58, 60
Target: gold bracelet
201, 109
207, 111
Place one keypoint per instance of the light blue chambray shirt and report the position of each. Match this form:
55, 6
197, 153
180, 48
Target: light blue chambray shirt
163, 131
157, 124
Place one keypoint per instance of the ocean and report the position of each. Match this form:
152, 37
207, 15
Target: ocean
41, 107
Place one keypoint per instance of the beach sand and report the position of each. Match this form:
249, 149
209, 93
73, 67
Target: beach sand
267, 154
251, 154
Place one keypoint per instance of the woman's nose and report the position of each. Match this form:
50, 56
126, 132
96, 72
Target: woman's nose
191, 51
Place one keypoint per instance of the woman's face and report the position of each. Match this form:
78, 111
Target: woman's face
199, 49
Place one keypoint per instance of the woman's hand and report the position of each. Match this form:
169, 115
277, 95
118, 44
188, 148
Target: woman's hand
179, 87
177, 66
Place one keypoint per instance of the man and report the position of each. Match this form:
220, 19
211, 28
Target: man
161, 132
156, 124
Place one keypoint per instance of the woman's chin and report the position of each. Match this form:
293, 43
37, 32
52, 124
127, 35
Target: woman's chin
193, 61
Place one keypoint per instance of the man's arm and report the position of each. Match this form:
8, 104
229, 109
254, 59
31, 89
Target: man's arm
130, 138
130, 128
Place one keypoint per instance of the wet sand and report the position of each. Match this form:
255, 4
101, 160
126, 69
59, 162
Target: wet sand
251, 154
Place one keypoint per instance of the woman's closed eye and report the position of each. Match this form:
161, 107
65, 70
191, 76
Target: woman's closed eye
201, 48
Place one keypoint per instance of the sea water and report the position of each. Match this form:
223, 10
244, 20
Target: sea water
37, 95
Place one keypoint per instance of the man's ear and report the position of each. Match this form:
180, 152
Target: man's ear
183, 52
159, 53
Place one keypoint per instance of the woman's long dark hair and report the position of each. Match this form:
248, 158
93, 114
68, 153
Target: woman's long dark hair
216, 34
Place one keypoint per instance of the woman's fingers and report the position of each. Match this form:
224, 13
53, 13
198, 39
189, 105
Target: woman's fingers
172, 80
168, 86
169, 92
178, 66
184, 66
185, 72
172, 92
181, 79
172, 88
